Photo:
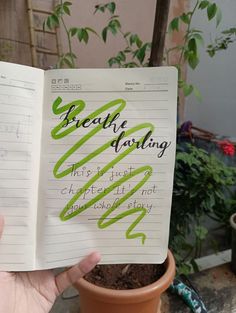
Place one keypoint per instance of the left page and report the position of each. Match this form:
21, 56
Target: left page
21, 95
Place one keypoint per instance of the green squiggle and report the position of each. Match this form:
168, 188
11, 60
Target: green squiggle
101, 222
80, 106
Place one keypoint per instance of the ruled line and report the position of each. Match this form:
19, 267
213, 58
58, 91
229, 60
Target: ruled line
108, 91
99, 246
15, 86
104, 198
16, 114
101, 181
17, 105
104, 254
82, 232
14, 96
84, 240
16, 142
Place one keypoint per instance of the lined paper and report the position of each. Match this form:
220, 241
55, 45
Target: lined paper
150, 96
21, 97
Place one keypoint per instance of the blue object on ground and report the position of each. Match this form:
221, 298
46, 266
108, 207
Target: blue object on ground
189, 296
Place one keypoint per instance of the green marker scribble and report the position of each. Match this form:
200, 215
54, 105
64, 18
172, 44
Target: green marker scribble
56, 134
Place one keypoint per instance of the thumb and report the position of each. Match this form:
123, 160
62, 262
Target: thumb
1, 225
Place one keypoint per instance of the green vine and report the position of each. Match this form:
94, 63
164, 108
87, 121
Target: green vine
56, 19
192, 41
135, 52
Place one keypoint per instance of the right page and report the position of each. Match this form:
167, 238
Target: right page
107, 164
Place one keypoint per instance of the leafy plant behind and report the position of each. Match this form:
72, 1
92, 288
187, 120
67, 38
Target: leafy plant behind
56, 19
135, 52
192, 41
222, 42
202, 186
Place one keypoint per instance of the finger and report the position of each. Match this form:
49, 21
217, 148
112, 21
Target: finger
70, 276
1, 225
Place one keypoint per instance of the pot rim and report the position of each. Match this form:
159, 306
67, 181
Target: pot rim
232, 221
147, 291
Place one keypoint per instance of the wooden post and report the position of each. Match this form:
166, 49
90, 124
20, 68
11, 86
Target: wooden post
32, 34
159, 32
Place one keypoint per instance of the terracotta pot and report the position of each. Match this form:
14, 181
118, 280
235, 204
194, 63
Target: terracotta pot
94, 299
233, 245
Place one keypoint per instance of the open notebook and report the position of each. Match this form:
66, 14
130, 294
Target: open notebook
86, 163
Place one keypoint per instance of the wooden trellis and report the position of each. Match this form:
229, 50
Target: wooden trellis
34, 48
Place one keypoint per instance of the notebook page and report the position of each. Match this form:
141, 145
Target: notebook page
98, 191
21, 97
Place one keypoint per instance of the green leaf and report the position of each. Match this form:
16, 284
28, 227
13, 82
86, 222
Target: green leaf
131, 65
139, 42
192, 46
71, 55
218, 16
91, 30
68, 62
199, 39
127, 34
111, 7
184, 268
185, 18
66, 59
174, 24
201, 232
59, 10
197, 93
99, 7
211, 51
121, 56
104, 34
66, 9
85, 35
112, 61
231, 31
54, 21
132, 39
67, 3
73, 31
204, 4
187, 89
211, 11
115, 23
112, 29
141, 53
127, 50
80, 34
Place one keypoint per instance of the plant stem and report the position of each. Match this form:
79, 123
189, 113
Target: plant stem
123, 34
187, 32
68, 39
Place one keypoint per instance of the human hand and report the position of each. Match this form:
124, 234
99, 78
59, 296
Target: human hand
36, 292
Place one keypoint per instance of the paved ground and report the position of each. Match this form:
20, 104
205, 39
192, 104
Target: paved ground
217, 287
